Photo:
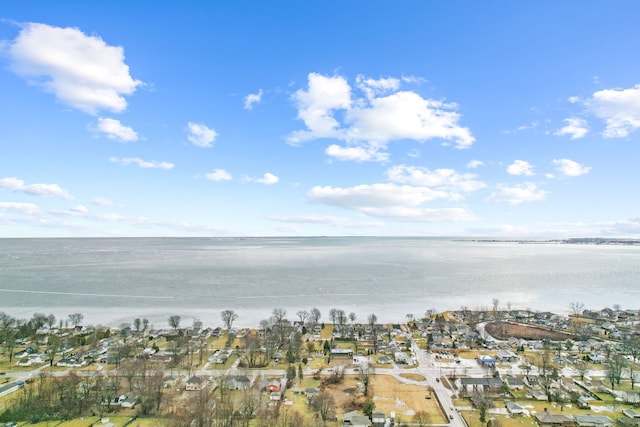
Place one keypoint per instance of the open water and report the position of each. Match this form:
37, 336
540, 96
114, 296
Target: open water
113, 280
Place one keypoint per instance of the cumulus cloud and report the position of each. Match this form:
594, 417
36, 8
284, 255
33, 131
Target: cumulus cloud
145, 164
368, 123
474, 164
267, 179
251, 99
619, 108
113, 129
444, 179
200, 135
576, 128
357, 153
514, 195
570, 168
82, 71
18, 185
398, 202
218, 175
317, 104
520, 167
25, 208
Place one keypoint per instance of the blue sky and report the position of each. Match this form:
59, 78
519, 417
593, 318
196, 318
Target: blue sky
252, 118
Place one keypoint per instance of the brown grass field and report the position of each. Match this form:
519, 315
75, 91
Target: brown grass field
504, 330
404, 399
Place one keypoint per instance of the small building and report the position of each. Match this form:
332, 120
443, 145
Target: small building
239, 382
487, 361
378, 419
513, 408
194, 384
549, 419
506, 356
355, 419
593, 421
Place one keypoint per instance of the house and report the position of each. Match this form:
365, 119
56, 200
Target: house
486, 361
593, 421
355, 419
273, 385
401, 357
239, 382
311, 392
469, 386
194, 384
597, 358
128, 402
506, 356
547, 418
514, 408
514, 383
378, 419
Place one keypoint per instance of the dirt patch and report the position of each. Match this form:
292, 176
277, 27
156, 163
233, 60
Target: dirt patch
405, 399
504, 330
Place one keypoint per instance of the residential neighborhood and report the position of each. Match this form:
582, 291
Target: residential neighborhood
458, 368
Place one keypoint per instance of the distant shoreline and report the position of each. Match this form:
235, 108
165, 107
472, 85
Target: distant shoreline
570, 241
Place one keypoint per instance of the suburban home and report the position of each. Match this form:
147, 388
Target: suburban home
345, 354
514, 383
355, 419
547, 418
129, 402
593, 421
401, 357
275, 396
239, 382
506, 356
194, 384
273, 385
486, 361
378, 419
469, 386
514, 408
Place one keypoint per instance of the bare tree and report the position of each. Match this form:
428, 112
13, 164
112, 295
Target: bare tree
174, 321
76, 319
228, 317
324, 405
616, 365
483, 402
576, 308
422, 418
303, 315
365, 376
315, 315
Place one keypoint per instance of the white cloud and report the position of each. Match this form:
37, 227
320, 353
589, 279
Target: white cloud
444, 179
372, 87
218, 175
357, 153
25, 208
573, 99
145, 164
18, 185
391, 201
317, 104
576, 128
520, 167
619, 108
570, 168
113, 129
267, 179
251, 99
474, 164
370, 122
81, 71
101, 201
200, 135
526, 192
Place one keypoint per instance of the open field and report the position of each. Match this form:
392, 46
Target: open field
504, 330
404, 399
